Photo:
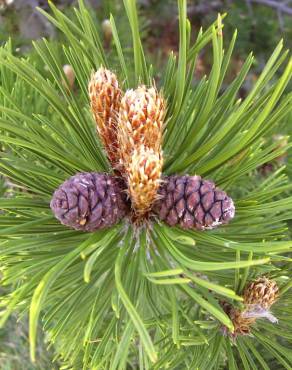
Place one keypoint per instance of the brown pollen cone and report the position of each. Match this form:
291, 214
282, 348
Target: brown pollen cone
263, 292
141, 118
144, 174
140, 127
105, 97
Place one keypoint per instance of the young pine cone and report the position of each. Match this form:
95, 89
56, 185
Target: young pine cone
143, 177
105, 96
258, 297
90, 201
191, 202
262, 292
141, 118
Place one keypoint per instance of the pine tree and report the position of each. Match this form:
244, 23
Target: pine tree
147, 295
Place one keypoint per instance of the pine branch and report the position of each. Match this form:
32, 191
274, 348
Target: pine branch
146, 295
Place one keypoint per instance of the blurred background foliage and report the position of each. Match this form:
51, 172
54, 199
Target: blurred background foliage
260, 25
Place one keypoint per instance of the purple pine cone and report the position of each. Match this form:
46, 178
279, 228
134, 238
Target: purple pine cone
191, 202
90, 201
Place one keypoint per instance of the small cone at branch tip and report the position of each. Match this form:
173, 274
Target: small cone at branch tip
70, 75
258, 297
107, 30
90, 201
192, 203
143, 178
105, 96
141, 117
263, 292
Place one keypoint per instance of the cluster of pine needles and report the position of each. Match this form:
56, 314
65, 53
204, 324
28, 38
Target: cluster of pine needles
167, 297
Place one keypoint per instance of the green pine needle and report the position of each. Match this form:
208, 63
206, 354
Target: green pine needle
149, 299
